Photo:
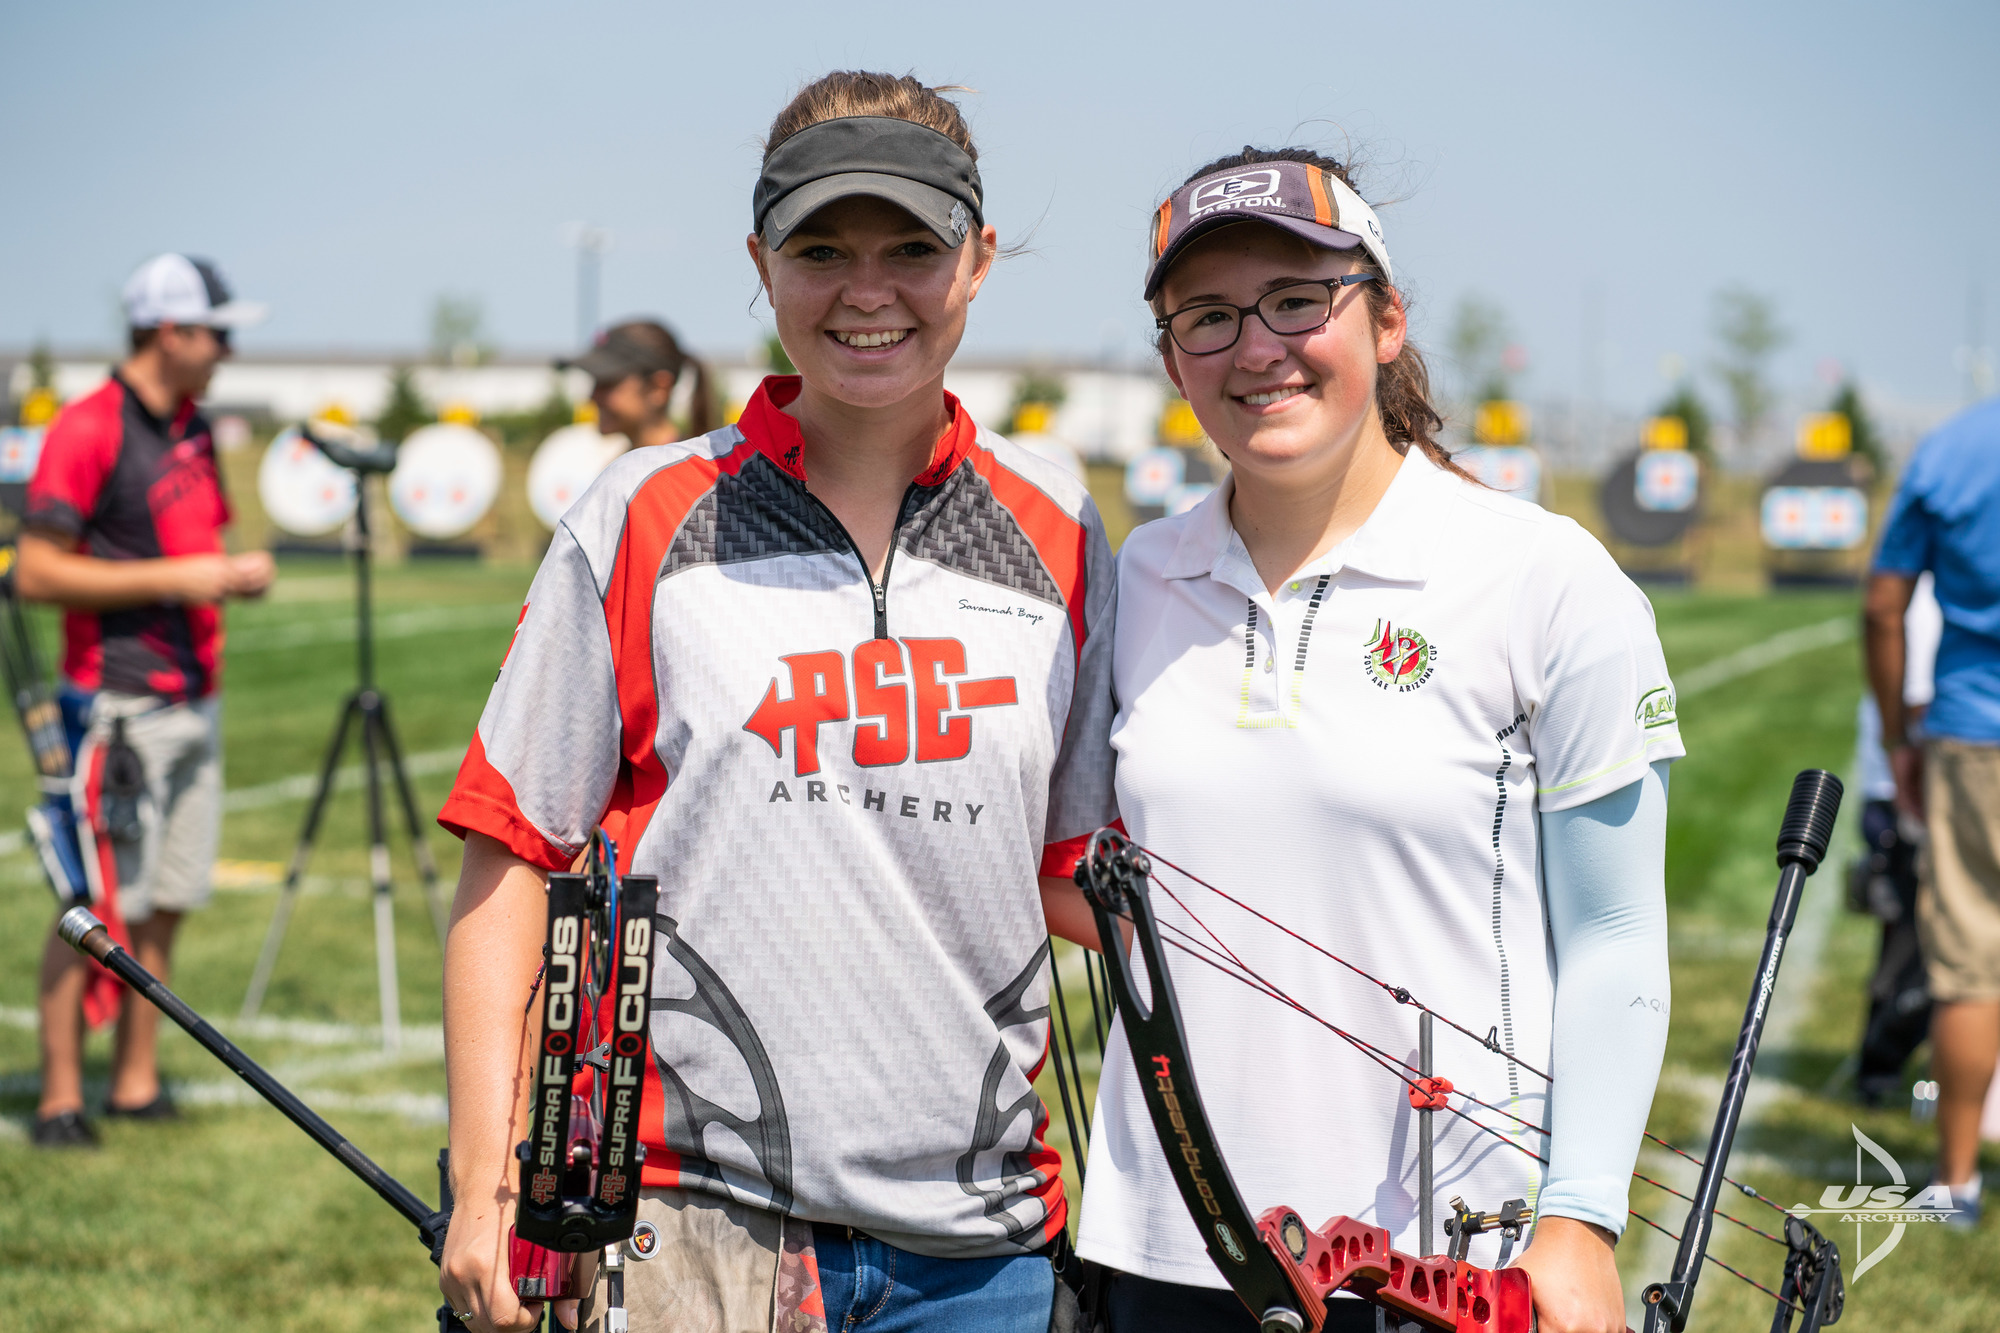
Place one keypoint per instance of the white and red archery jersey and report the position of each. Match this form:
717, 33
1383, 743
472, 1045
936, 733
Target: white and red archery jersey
846, 791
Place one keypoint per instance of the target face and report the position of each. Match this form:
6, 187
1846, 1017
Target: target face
1512, 470
1668, 481
304, 492
1815, 518
565, 465
20, 450
1185, 497
1152, 476
447, 476
1056, 451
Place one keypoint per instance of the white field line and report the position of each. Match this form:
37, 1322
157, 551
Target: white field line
1790, 1007
400, 625
1766, 652
424, 1039
406, 624
1707, 676
299, 787
423, 1045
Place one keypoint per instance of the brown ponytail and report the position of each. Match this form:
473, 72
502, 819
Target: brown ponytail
853, 92
655, 338
1403, 387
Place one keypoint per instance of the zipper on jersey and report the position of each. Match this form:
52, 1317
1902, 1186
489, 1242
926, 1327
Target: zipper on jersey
880, 591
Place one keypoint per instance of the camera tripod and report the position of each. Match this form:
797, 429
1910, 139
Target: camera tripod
367, 710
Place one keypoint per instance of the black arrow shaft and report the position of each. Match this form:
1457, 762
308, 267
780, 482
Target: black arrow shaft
88, 935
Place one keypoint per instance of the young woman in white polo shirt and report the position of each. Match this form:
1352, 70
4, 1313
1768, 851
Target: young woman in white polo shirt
1419, 722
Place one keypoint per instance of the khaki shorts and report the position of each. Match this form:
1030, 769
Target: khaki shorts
169, 864
718, 1266
1958, 901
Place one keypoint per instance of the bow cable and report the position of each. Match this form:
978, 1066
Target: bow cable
1401, 994
1225, 960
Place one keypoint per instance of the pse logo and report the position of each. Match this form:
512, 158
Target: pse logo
1252, 189
905, 695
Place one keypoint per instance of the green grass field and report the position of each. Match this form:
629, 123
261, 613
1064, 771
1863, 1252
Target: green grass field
232, 1218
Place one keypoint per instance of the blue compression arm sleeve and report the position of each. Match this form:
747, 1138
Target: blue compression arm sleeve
1604, 871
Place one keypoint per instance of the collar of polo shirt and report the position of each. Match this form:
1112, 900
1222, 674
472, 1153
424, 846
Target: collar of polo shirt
1391, 545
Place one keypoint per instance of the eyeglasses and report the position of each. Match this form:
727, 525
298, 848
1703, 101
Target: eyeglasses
1305, 307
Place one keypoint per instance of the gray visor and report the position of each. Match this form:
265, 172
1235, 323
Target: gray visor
910, 165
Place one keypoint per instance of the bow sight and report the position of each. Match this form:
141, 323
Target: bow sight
1286, 1273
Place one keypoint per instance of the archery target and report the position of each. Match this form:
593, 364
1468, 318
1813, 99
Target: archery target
447, 476
1667, 481
304, 492
1511, 469
1057, 451
565, 465
1814, 518
1152, 476
1187, 495
20, 450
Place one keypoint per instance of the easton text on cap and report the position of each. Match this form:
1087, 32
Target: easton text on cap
910, 165
1307, 201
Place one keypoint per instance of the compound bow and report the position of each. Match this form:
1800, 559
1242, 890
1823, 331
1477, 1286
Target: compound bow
1283, 1271
580, 1163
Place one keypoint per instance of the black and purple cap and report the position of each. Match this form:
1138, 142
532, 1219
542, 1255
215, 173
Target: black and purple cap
1309, 202
910, 165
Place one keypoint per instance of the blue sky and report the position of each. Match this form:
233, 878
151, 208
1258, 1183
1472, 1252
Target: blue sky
348, 163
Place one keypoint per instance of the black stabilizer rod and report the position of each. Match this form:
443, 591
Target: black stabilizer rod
1802, 841
84, 932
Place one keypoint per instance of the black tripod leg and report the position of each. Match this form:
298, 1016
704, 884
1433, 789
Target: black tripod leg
378, 872
274, 939
426, 865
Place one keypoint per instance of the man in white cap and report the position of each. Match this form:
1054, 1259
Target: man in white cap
124, 530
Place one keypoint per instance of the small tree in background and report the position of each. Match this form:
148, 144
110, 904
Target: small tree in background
1036, 388
1747, 329
457, 322
555, 412
1478, 341
405, 410
774, 356
1867, 440
41, 366
1686, 404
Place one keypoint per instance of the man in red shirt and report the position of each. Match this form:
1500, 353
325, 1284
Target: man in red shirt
124, 530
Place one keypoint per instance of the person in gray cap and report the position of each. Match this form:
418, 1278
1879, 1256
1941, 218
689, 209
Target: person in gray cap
836, 674
634, 368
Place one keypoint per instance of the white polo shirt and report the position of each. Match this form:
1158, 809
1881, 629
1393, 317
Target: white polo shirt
1361, 757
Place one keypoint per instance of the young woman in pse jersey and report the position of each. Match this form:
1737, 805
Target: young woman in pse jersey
839, 675
1417, 721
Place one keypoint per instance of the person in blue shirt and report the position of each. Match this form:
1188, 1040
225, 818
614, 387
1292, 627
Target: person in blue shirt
1945, 519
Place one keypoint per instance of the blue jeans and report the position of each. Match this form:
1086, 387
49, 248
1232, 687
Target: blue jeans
870, 1286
